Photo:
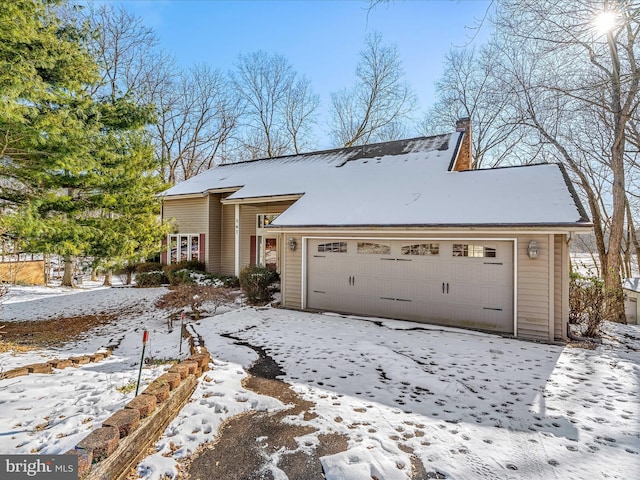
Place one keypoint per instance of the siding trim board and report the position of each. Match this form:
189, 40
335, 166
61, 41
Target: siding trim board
236, 250
516, 288
551, 289
390, 231
586, 227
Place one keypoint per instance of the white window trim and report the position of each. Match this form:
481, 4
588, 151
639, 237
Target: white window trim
262, 233
177, 236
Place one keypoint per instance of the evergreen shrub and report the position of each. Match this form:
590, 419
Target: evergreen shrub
255, 282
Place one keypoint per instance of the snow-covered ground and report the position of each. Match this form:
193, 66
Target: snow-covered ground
588, 265
468, 405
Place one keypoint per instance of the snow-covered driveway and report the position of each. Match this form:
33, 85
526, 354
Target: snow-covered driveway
468, 405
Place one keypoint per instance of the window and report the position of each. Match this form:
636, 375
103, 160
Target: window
374, 248
184, 247
195, 247
335, 247
265, 219
476, 251
173, 249
421, 249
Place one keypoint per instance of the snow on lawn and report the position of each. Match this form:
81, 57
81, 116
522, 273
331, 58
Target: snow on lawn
136, 304
468, 405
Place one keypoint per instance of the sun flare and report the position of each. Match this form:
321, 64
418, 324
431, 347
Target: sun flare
605, 21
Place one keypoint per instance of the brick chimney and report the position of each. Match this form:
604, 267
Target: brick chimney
464, 161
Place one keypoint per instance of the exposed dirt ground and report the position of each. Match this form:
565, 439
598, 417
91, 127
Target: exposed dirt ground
51, 333
246, 442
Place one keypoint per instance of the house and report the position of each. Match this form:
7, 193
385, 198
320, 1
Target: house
631, 289
17, 266
402, 229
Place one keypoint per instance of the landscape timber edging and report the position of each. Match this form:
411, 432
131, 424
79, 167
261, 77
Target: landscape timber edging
133, 448
57, 363
130, 449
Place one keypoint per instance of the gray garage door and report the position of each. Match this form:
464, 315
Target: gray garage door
466, 283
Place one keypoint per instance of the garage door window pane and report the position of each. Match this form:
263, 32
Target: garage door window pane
421, 249
334, 247
475, 251
374, 248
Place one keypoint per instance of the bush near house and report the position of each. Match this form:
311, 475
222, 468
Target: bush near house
151, 279
255, 282
194, 297
193, 265
193, 272
590, 303
147, 267
150, 274
180, 273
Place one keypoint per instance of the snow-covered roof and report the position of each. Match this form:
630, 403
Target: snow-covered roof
632, 284
399, 183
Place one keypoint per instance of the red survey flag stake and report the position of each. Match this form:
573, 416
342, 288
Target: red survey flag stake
145, 338
181, 331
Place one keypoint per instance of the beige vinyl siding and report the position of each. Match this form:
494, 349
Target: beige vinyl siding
533, 289
214, 235
247, 229
292, 275
190, 214
227, 240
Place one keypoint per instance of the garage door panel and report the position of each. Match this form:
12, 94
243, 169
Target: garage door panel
415, 280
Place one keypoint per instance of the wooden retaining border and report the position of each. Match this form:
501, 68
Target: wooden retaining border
112, 450
47, 367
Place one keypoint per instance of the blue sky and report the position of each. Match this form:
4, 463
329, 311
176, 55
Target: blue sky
321, 39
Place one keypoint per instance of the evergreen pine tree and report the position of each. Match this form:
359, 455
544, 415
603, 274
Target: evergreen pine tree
76, 172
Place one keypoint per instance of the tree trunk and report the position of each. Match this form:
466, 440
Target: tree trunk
47, 270
634, 238
107, 278
67, 278
620, 116
94, 275
129, 275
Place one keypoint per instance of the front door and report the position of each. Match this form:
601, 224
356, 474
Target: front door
266, 252
270, 253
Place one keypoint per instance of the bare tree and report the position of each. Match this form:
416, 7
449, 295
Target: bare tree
126, 51
300, 108
578, 89
197, 116
279, 105
467, 88
380, 99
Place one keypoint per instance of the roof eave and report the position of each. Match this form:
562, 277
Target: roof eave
564, 226
210, 191
262, 199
